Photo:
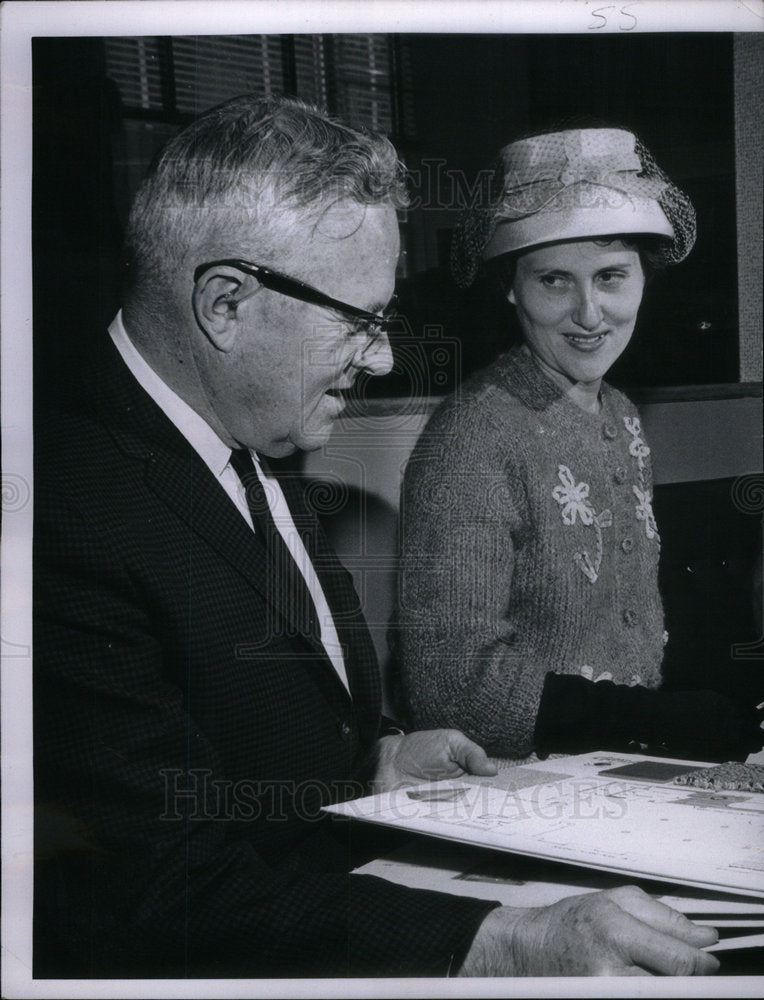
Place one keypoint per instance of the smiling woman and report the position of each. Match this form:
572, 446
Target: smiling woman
577, 304
530, 616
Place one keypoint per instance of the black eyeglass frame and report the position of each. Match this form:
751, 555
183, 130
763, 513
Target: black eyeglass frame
378, 322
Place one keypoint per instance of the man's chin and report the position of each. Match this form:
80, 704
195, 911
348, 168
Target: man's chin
310, 439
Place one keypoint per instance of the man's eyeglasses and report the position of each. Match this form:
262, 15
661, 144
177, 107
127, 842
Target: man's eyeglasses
368, 324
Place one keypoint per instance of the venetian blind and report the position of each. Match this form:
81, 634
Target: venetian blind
134, 65
362, 71
353, 75
209, 70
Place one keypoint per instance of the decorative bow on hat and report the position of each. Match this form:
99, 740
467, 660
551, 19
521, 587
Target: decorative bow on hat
544, 168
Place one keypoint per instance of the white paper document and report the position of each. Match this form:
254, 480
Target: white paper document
587, 810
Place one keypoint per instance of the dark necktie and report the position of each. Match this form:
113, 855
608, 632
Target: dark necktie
287, 577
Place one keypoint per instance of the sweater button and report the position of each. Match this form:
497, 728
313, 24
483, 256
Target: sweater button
627, 544
620, 475
630, 617
609, 432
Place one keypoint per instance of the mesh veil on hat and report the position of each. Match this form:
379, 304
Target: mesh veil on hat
573, 184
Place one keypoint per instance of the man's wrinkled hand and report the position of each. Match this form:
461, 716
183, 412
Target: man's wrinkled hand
428, 755
619, 932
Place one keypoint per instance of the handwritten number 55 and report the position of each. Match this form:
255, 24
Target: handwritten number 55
602, 17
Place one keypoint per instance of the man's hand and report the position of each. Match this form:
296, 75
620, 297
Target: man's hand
428, 755
619, 932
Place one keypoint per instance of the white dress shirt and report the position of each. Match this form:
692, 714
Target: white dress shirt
216, 456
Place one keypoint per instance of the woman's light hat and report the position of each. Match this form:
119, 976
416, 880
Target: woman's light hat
574, 184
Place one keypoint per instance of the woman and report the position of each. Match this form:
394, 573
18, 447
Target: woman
530, 616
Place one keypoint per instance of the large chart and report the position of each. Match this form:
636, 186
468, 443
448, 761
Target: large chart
616, 812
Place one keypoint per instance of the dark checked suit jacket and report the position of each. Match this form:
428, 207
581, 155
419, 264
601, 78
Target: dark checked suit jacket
186, 734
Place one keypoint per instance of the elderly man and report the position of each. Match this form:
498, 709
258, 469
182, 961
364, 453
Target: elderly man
204, 679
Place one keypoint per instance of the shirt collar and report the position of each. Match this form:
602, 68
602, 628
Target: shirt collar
202, 438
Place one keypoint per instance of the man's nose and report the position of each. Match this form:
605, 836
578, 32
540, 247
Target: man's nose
588, 311
377, 359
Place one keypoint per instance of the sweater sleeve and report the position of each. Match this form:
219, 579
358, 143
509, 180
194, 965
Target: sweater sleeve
463, 662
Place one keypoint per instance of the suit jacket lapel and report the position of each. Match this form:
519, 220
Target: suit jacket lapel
183, 481
181, 478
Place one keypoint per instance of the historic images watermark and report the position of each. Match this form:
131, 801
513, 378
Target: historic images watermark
197, 795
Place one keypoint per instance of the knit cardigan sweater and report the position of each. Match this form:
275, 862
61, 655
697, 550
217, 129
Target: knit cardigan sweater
528, 546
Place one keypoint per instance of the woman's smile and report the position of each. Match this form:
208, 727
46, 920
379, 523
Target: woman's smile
585, 342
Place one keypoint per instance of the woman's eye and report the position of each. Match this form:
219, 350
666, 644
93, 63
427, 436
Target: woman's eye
552, 280
611, 277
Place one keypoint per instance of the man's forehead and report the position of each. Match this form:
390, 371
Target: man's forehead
351, 254
346, 219
348, 233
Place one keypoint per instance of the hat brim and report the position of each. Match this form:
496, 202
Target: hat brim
633, 217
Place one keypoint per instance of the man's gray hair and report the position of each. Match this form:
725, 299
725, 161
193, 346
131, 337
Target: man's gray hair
250, 169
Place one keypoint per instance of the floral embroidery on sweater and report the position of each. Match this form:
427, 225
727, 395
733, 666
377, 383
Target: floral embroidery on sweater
588, 672
573, 497
643, 508
637, 448
644, 511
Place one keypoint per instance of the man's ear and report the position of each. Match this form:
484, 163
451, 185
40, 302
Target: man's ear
217, 296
